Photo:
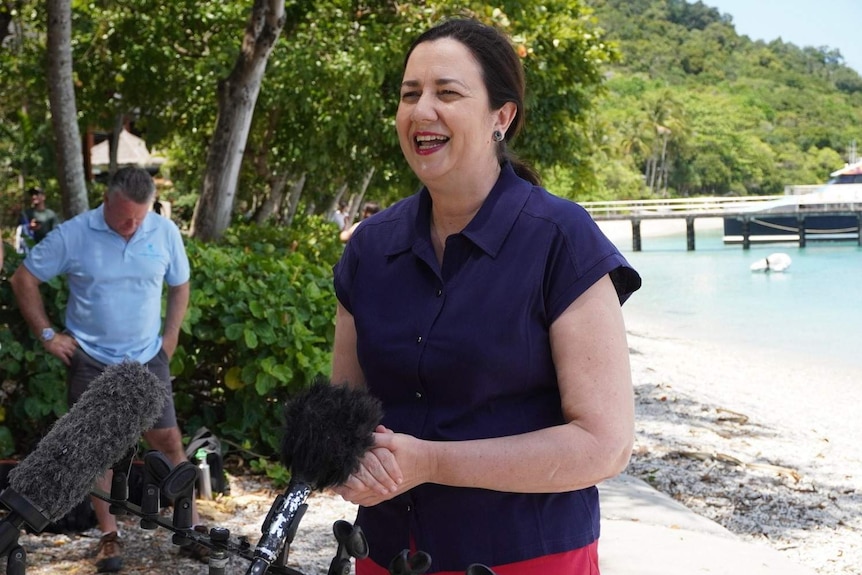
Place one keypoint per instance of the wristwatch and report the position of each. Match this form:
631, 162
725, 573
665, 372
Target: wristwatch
47, 335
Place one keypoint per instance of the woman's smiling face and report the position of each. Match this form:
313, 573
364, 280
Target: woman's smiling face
444, 123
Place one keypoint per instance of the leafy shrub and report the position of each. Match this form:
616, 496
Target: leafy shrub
259, 326
32, 381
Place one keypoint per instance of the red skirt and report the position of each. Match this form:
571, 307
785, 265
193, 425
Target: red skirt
583, 561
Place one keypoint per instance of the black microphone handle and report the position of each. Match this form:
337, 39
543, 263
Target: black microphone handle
16, 563
22, 511
279, 523
10, 529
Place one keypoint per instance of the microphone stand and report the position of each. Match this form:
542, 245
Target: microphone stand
22, 512
222, 543
351, 541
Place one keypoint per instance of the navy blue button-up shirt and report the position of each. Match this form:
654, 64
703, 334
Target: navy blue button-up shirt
463, 351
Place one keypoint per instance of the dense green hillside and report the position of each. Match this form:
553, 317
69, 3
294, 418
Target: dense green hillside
694, 108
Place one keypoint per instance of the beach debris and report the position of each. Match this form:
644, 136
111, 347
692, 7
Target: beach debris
731, 416
729, 459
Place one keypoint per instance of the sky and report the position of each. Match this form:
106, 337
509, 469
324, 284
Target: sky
832, 23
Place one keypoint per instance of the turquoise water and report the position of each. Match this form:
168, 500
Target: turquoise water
812, 309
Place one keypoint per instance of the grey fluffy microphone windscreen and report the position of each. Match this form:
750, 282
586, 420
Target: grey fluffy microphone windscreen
99, 429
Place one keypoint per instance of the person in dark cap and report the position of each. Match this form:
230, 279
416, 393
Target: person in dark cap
37, 221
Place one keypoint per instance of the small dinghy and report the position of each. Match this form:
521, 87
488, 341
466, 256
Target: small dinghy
777, 262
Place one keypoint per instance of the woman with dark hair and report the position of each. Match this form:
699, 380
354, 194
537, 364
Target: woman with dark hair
485, 314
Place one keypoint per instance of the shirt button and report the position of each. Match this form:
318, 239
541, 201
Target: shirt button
419, 339
418, 395
439, 292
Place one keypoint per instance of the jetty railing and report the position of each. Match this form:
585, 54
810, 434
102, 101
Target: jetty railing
670, 207
690, 209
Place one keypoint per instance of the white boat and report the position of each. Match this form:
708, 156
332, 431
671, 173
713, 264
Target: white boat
777, 262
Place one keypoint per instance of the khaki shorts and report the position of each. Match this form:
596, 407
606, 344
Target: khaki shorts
83, 369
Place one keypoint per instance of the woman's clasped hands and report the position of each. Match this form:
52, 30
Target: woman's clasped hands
395, 464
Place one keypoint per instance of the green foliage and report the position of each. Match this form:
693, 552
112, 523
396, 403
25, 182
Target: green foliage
33, 390
259, 326
327, 103
603, 75
26, 152
744, 117
275, 471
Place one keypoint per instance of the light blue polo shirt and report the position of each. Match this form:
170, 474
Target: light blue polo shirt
115, 287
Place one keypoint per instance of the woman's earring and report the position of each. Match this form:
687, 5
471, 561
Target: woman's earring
497, 135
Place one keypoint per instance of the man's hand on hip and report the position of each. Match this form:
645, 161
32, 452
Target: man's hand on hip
61, 346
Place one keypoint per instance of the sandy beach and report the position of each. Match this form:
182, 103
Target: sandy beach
767, 445
766, 448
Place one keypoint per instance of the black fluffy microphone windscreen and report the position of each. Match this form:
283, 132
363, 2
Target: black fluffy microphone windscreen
327, 431
108, 419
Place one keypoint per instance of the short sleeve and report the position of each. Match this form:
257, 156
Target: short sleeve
580, 255
48, 258
179, 271
344, 271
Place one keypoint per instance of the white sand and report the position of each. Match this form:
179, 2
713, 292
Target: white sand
791, 430
819, 397
768, 445
817, 400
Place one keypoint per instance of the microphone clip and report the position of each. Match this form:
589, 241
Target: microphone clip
351, 544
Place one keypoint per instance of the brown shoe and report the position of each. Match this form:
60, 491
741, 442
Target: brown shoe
195, 550
109, 557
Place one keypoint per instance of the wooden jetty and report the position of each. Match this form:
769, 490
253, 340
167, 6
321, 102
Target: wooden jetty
690, 209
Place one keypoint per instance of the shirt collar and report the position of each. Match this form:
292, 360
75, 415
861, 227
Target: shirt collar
97, 221
489, 227
492, 223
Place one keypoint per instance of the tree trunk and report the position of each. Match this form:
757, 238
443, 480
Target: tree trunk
237, 96
293, 199
356, 198
339, 197
114, 146
663, 173
64, 115
648, 176
366, 181
272, 203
